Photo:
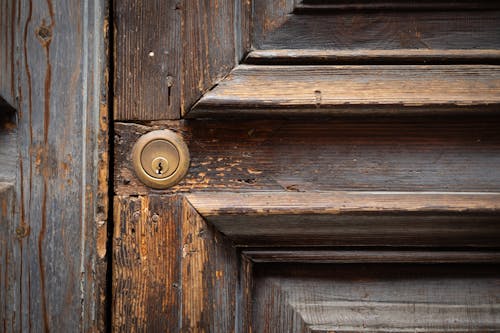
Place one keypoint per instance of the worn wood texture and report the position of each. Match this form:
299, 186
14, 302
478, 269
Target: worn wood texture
146, 258
316, 90
268, 16
8, 144
354, 218
172, 272
10, 271
361, 256
209, 276
8, 50
437, 154
355, 31
381, 298
400, 5
59, 243
168, 53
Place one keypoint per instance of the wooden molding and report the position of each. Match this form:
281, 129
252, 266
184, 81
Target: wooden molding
354, 218
268, 91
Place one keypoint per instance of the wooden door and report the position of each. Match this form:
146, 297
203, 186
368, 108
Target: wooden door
344, 170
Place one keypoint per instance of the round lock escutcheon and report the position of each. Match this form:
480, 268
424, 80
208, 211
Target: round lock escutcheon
160, 159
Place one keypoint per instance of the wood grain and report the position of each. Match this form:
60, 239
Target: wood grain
361, 256
9, 52
382, 298
172, 272
10, 271
8, 144
62, 165
268, 16
369, 154
147, 83
372, 56
400, 5
169, 53
434, 30
317, 90
354, 218
209, 276
146, 264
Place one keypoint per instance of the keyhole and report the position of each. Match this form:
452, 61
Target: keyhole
159, 169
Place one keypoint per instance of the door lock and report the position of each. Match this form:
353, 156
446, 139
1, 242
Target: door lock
160, 159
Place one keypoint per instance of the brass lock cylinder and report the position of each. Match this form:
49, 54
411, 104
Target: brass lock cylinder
160, 159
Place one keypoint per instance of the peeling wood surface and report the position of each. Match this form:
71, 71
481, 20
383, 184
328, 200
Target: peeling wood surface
58, 243
172, 272
8, 50
168, 53
316, 90
377, 297
146, 259
438, 154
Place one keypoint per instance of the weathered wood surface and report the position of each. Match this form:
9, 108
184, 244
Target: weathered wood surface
437, 154
366, 256
321, 5
388, 30
316, 90
354, 218
10, 271
57, 238
8, 144
267, 16
382, 298
168, 53
370, 56
172, 272
8, 50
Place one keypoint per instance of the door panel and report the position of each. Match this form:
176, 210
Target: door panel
344, 166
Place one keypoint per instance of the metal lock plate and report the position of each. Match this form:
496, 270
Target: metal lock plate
160, 159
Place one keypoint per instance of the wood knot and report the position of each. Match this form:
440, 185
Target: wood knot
44, 34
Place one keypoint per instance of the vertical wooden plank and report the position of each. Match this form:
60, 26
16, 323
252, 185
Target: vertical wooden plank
147, 59
10, 315
209, 276
8, 50
62, 166
146, 259
168, 53
209, 43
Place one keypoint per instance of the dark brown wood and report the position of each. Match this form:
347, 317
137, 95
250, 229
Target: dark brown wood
146, 264
147, 82
354, 218
268, 16
400, 5
381, 298
437, 154
169, 53
56, 239
209, 276
172, 272
9, 52
370, 256
317, 90
436, 30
